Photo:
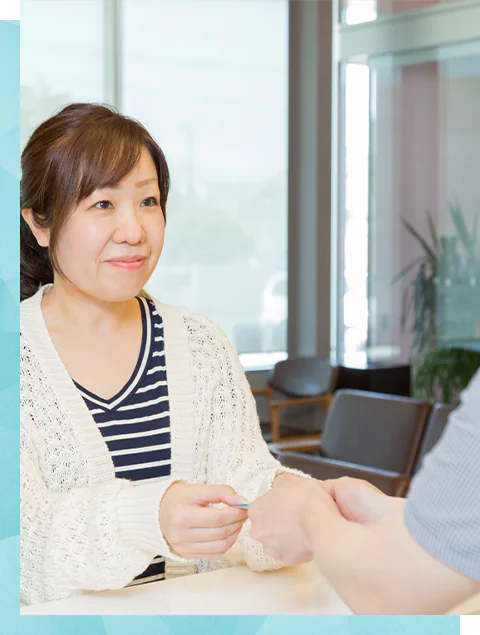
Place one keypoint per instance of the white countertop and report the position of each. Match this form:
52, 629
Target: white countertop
236, 591
470, 607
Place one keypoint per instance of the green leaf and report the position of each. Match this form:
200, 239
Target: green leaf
433, 231
476, 218
444, 372
461, 227
403, 273
407, 304
428, 250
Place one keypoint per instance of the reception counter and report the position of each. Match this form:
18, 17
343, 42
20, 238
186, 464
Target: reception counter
234, 591
237, 591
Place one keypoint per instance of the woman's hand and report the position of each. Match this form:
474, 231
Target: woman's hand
285, 477
194, 530
279, 518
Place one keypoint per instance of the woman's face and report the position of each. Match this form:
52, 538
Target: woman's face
111, 242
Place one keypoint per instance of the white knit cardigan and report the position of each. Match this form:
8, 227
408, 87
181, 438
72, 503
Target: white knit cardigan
84, 529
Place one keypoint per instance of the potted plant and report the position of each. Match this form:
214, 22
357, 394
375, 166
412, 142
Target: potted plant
444, 296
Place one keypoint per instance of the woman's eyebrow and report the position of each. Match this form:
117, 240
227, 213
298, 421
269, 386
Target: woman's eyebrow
137, 184
145, 182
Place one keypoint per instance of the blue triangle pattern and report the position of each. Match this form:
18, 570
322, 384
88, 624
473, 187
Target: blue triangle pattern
8, 309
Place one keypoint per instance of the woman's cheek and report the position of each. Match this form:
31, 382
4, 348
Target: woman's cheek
156, 237
82, 246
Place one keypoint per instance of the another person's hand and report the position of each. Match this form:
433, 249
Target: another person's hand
194, 530
360, 501
279, 518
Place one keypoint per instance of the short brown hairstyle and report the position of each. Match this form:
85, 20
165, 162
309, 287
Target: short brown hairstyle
82, 148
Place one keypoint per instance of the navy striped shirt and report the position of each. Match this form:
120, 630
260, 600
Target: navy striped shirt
135, 422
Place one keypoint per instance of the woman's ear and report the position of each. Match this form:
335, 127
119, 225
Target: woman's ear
42, 235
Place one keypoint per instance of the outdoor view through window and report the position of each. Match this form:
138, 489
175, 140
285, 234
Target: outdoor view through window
213, 91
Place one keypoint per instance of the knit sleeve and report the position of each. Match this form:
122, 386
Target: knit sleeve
237, 453
89, 538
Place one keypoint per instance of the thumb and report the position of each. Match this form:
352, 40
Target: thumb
212, 494
335, 485
363, 505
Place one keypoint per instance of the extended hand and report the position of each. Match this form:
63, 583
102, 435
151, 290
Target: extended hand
194, 530
360, 501
287, 519
279, 517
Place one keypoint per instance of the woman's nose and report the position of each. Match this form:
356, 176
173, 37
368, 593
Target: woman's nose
129, 227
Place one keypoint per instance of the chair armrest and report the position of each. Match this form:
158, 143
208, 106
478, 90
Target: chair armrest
302, 401
304, 445
276, 406
266, 392
392, 483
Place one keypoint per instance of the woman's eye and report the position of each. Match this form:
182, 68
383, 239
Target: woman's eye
151, 201
103, 205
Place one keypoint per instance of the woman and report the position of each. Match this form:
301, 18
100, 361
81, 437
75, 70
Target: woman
136, 416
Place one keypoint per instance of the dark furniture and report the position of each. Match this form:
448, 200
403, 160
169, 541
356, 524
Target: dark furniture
302, 381
367, 435
435, 426
389, 377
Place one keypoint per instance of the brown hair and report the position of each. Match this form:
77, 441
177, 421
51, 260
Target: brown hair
82, 148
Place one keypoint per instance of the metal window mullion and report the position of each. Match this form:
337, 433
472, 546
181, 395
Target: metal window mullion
433, 26
336, 329
309, 179
112, 55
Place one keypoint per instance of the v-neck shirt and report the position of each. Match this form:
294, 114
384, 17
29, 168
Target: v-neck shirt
135, 423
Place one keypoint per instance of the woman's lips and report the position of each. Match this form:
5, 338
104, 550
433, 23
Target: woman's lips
133, 262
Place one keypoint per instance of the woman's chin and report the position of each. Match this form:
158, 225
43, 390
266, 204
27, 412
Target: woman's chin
122, 295
116, 293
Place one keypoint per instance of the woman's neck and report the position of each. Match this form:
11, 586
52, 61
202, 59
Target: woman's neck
66, 307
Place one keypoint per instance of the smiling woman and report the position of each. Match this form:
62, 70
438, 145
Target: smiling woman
72, 163
135, 416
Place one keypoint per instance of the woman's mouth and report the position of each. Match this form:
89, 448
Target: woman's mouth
128, 262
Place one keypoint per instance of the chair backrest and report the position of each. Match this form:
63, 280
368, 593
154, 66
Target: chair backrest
303, 377
374, 429
435, 426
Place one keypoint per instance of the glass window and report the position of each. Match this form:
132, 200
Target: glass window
354, 309
411, 152
213, 90
209, 80
61, 60
357, 11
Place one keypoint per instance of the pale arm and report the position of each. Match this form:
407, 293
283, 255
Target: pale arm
381, 569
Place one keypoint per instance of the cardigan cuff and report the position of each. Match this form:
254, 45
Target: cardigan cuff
267, 482
137, 514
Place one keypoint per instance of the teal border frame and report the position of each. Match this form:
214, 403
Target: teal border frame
11, 623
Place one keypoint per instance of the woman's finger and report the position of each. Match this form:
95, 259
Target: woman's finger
213, 534
212, 549
212, 494
193, 516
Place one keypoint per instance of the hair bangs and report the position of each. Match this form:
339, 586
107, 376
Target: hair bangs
115, 153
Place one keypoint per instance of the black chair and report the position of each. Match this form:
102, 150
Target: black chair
302, 381
367, 435
435, 427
